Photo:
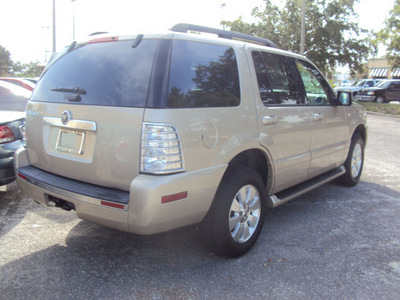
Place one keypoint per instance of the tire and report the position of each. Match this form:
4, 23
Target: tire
354, 162
380, 99
236, 217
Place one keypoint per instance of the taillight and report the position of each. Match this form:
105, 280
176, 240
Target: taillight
6, 135
161, 149
22, 131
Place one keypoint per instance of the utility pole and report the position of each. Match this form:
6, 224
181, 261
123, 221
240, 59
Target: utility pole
303, 29
54, 26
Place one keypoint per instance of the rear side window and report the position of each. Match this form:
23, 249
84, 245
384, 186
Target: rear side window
276, 79
202, 75
111, 73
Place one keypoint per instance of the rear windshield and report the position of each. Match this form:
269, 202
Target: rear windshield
113, 74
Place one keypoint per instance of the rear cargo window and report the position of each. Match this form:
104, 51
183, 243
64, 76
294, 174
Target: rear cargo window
203, 75
112, 73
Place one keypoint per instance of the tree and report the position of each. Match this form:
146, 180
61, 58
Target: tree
332, 34
10, 68
390, 35
32, 69
5, 61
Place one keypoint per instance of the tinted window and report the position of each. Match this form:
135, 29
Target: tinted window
264, 84
317, 89
111, 73
202, 75
275, 75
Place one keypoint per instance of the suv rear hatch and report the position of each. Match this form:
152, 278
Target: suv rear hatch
84, 119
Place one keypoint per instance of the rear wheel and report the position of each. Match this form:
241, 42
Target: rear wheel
236, 216
354, 162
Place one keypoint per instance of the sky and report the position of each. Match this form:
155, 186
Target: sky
26, 25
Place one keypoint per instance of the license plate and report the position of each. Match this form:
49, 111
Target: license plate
70, 141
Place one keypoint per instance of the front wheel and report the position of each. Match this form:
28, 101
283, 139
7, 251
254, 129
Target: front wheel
380, 99
354, 162
236, 217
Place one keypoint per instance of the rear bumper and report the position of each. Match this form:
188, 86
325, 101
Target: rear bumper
7, 174
140, 210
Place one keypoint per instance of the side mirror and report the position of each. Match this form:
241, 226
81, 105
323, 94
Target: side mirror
344, 98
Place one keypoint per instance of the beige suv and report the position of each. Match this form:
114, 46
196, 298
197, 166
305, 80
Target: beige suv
149, 133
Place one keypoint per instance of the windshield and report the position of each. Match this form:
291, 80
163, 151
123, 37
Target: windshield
358, 83
111, 73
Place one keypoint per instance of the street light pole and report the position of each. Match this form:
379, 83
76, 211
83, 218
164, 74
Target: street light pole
303, 29
73, 20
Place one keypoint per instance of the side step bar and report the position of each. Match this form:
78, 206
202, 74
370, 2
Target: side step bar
300, 189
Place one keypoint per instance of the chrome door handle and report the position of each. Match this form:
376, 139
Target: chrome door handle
318, 117
270, 120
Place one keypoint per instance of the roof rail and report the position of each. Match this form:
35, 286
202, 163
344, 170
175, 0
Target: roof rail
225, 34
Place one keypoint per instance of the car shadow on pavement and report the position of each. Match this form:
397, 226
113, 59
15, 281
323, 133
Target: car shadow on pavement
101, 263
95, 259
14, 208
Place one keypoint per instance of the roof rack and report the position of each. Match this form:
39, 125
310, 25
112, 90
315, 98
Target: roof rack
231, 35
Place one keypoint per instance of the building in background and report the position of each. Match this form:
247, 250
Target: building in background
380, 68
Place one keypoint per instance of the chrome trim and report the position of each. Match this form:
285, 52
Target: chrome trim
70, 150
338, 146
270, 120
72, 124
293, 157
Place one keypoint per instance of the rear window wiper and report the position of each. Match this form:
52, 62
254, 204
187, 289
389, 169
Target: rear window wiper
75, 90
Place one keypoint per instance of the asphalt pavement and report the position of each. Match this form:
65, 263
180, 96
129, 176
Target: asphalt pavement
332, 243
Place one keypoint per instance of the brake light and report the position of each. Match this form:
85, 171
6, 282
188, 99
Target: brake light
6, 135
103, 39
161, 149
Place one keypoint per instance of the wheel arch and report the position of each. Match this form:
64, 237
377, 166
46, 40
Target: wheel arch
257, 160
361, 131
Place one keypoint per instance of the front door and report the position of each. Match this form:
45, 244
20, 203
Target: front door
328, 138
393, 92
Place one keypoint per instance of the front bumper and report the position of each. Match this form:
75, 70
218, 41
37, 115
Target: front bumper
366, 98
140, 210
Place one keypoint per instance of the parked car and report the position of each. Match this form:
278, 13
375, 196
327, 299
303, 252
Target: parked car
13, 97
33, 80
383, 92
10, 141
358, 85
24, 83
154, 132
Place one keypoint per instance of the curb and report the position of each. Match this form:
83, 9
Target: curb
382, 115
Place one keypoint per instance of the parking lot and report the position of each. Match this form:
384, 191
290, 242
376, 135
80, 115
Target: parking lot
332, 243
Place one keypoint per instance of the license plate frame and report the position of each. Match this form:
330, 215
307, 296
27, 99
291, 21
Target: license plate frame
70, 141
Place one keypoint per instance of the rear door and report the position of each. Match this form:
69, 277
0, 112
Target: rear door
85, 117
284, 120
